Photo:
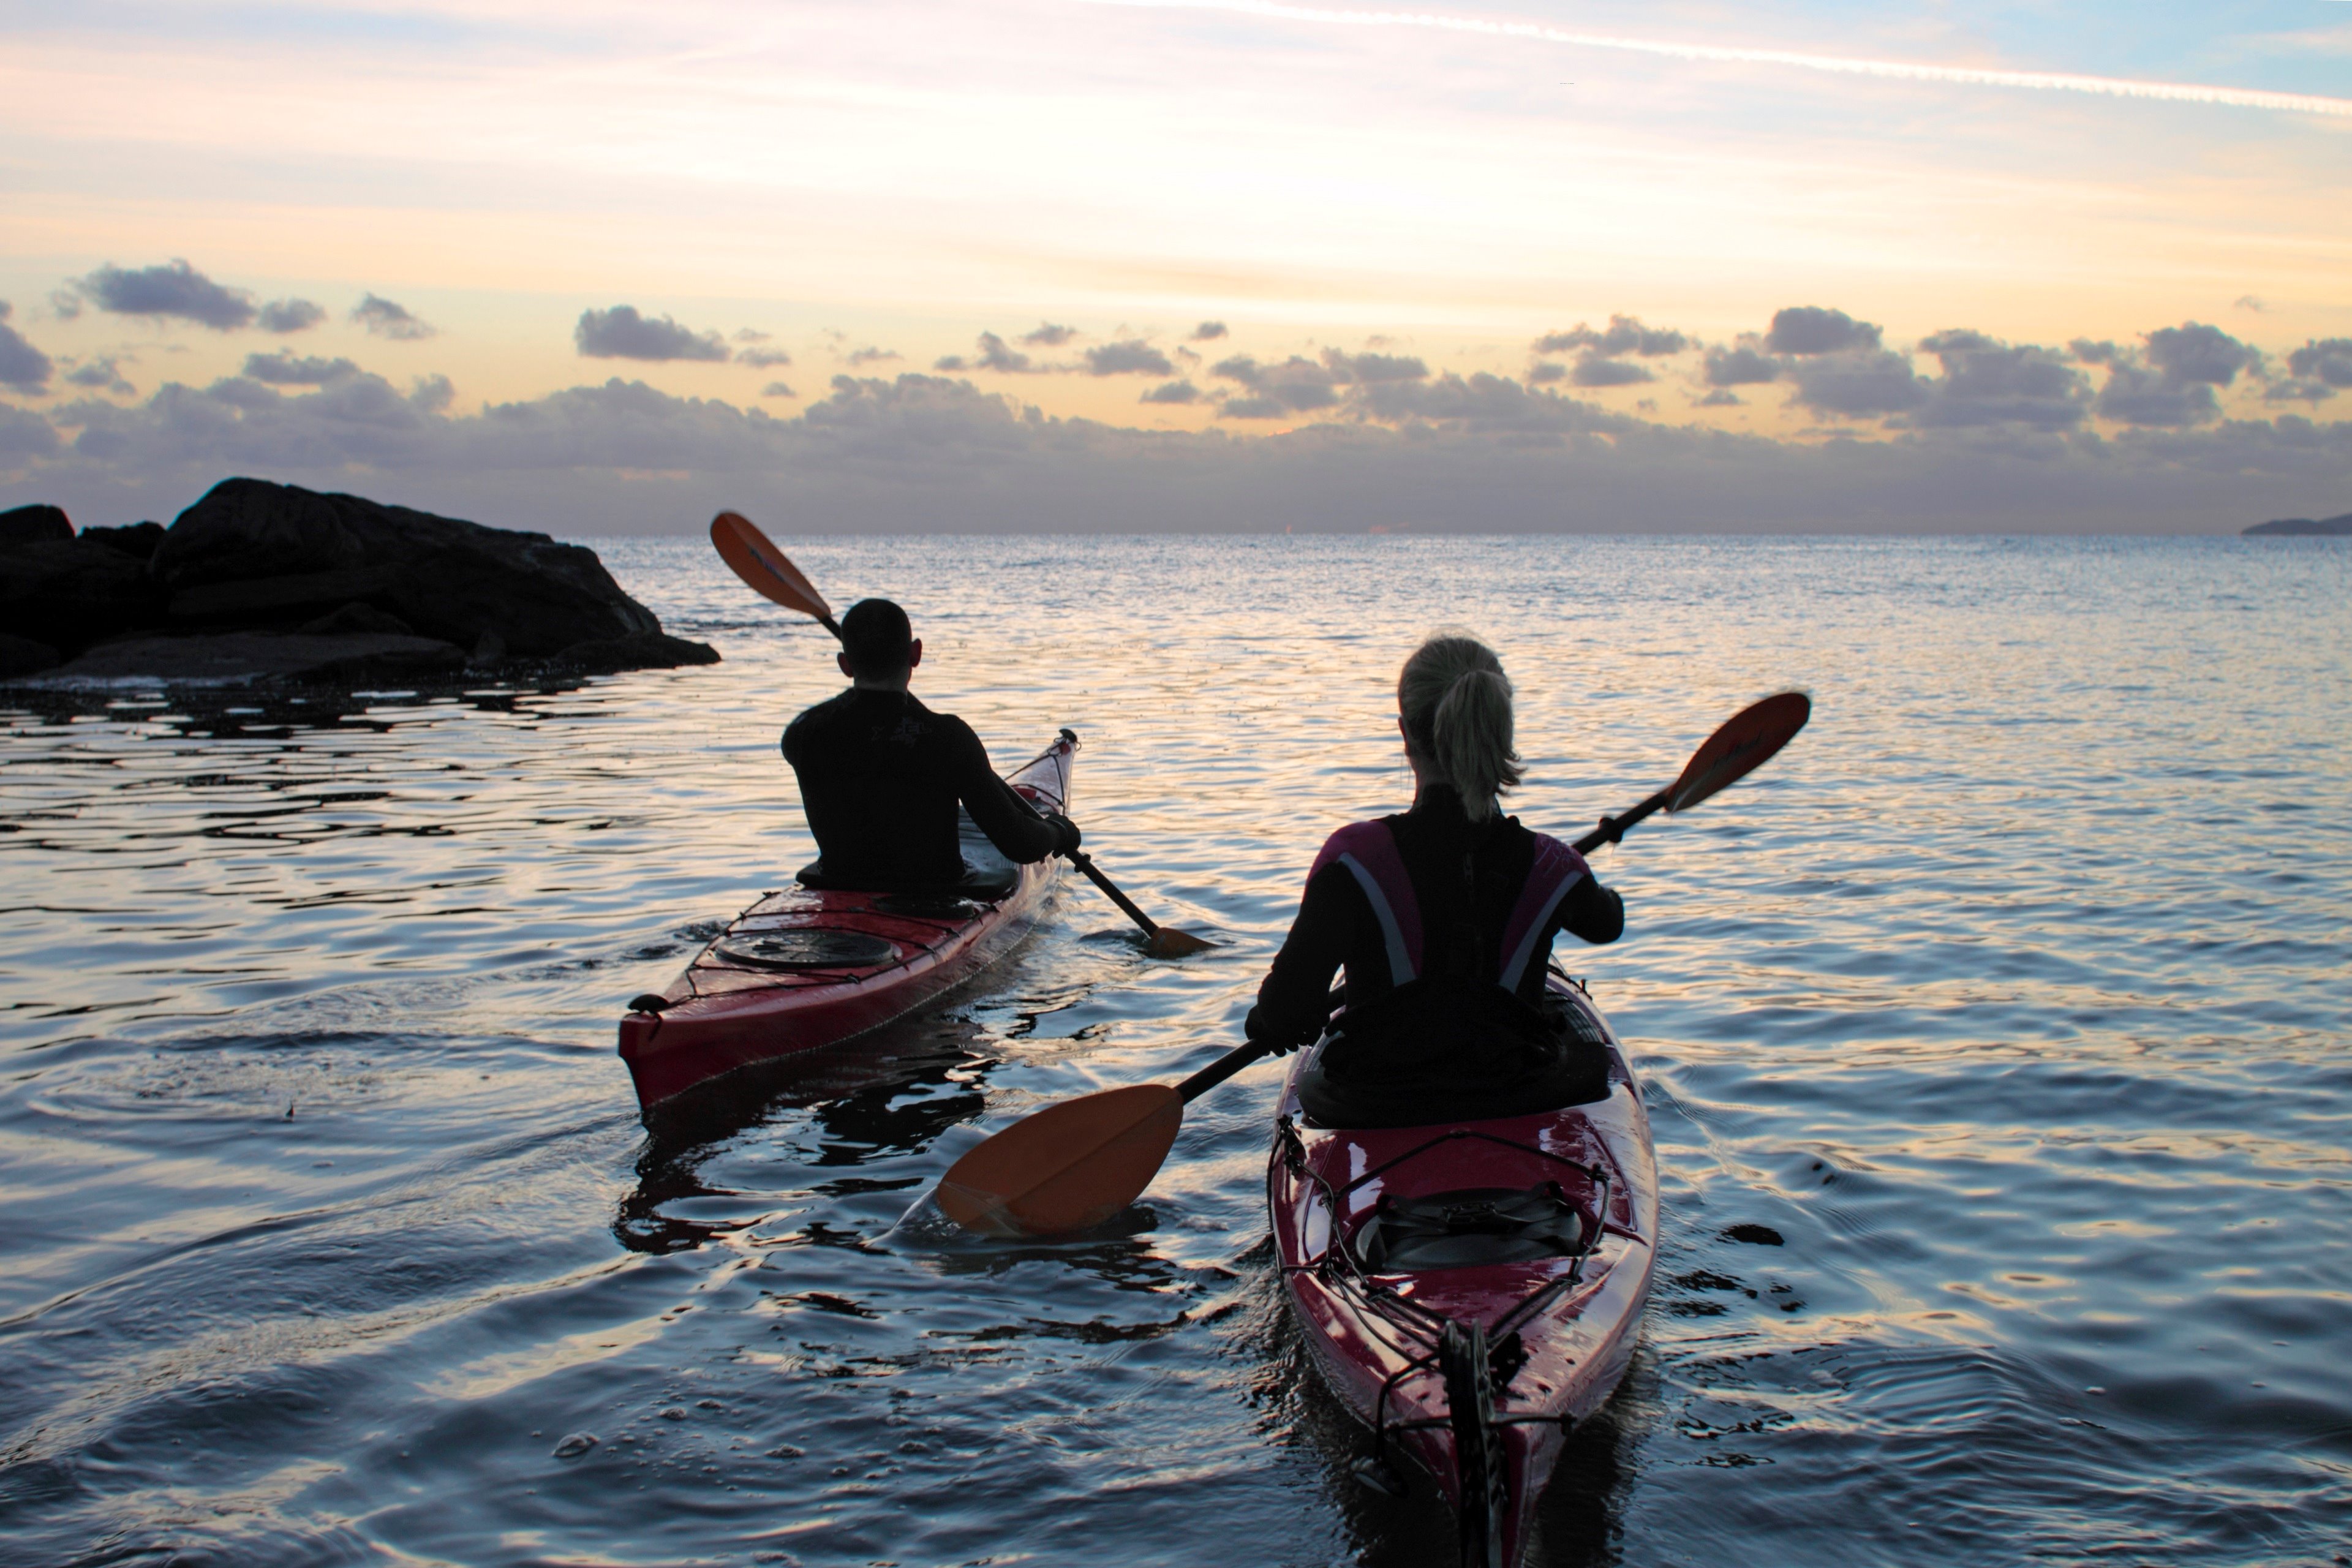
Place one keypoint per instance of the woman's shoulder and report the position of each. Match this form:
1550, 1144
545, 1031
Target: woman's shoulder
1549, 854
1365, 840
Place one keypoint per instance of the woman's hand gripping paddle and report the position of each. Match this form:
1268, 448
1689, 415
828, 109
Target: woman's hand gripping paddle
1071, 1166
770, 572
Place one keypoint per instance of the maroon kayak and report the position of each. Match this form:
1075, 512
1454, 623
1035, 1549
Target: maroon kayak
1472, 1290
804, 969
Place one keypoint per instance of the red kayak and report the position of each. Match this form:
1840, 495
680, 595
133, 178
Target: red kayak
804, 969
1471, 1289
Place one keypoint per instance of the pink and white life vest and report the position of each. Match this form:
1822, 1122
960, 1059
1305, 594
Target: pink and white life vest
1368, 851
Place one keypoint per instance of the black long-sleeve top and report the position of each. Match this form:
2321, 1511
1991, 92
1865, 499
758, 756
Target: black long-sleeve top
881, 777
1466, 878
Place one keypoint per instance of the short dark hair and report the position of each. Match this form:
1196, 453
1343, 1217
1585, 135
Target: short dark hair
878, 637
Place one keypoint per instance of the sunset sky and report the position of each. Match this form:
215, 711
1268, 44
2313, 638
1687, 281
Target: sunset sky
595, 267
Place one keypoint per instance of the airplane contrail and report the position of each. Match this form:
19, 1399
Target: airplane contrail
1903, 71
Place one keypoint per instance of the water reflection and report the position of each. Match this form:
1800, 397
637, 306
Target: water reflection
1994, 1039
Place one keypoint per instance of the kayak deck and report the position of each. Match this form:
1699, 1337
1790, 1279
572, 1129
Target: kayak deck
802, 969
1527, 1243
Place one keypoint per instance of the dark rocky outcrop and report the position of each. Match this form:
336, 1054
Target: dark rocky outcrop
23, 656
2325, 527
139, 540
35, 524
270, 574
69, 593
283, 656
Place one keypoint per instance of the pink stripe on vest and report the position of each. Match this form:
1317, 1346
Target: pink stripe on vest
1556, 869
1371, 854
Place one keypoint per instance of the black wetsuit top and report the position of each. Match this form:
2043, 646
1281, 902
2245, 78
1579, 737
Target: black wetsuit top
1465, 879
881, 777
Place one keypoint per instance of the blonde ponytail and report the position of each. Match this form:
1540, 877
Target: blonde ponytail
1456, 705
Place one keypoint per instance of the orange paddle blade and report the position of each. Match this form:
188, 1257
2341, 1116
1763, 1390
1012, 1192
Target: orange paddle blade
1167, 942
767, 569
1066, 1168
1744, 743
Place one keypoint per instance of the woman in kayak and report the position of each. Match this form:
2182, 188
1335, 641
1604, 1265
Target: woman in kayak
1444, 918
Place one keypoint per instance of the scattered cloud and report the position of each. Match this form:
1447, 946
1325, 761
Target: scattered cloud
282, 369
1743, 366
1543, 373
1173, 391
2325, 359
1593, 369
2136, 395
2321, 367
1295, 386
763, 359
22, 366
1810, 330
1049, 335
998, 355
102, 374
64, 304
1856, 384
1366, 369
1625, 335
2195, 352
872, 356
174, 290
25, 434
1207, 333
1986, 382
1133, 356
777, 389
622, 332
1721, 398
2248, 302
750, 335
2170, 383
386, 319
289, 316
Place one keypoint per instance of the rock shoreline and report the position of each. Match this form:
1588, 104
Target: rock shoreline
262, 582
2305, 527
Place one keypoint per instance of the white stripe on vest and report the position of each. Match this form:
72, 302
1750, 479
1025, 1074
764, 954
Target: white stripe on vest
1400, 964
1535, 930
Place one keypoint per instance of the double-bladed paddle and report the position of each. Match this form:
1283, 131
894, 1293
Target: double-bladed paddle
1071, 1166
770, 572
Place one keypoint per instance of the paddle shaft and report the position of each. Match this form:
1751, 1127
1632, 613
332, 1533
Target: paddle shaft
1085, 862
1610, 830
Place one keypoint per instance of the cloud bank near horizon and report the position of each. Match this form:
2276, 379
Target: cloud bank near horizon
1960, 430
2000, 441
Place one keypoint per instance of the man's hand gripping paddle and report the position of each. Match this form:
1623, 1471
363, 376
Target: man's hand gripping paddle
1071, 1166
770, 572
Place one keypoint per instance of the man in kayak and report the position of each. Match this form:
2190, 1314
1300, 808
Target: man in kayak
881, 776
1443, 916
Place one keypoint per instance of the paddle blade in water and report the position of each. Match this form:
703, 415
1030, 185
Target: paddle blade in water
1066, 1168
767, 569
1744, 743
1165, 943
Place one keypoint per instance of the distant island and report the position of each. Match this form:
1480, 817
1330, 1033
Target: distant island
2325, 527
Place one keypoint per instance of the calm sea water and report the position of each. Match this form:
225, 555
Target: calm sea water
1997, 1040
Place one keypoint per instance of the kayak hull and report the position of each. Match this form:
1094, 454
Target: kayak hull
890, 955
1559, 1330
